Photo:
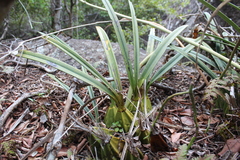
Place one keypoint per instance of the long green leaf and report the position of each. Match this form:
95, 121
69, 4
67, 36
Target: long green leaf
173, 61
222, 15
203, 58
220, 63
198, 61
68, 50
150, 47
151, 41
193, 53
233, 5
112, 62
91, 94
225, 41
166, 67
160, 50
136, 48
70, 70
121, 39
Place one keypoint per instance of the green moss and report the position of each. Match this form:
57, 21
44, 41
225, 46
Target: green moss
9, 148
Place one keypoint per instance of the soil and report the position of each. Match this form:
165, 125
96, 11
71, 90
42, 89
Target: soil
44, 111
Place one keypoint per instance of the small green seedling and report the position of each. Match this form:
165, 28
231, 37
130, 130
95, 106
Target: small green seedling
117, 127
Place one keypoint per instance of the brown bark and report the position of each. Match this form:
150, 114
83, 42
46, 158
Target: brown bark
56, 9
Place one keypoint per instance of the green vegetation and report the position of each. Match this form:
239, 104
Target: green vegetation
127, 110
8, 147
31, 16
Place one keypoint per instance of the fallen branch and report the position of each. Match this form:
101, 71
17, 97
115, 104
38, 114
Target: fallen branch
9, 110
32, 64
36, 146
56, 144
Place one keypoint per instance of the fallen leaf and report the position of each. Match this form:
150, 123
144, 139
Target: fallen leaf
175, 137
187, 120
22, 126
9, 123
167, 120
186, 112
42, 132
173, 110
29, 140
179, 99
205, 118
158, 143
171, 130
62, 152
232, 145
145, 157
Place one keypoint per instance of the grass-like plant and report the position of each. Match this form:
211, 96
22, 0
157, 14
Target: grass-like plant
124, 110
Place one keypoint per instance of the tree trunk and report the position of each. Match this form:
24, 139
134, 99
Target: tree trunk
5, 6
56, 9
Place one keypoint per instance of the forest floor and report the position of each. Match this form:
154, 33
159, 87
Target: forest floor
38, 103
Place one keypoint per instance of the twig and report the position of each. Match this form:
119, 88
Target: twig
210, 136
5, 28
175, 127
56, 143
130, 132
16, 123
32, 64
9, 110
163, 87
48, 82
37, 145
29, 19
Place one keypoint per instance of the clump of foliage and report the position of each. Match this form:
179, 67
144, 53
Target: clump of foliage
128, 111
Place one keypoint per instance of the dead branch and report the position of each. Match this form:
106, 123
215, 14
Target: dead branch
56, 144
9, 110
44, 140
32, 64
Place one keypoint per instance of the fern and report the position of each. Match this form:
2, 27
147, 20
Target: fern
182, 153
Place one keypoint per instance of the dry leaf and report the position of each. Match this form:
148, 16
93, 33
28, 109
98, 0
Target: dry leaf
232, 145
175, 137
187, 121
158, 143
179, 99
186, 112
167, 120
205, 118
